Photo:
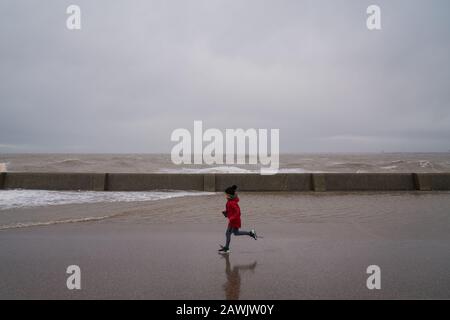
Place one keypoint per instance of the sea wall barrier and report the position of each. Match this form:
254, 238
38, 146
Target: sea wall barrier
2, 180
54, 181
306, 182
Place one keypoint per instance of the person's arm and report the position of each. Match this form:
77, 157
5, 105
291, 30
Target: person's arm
225, 213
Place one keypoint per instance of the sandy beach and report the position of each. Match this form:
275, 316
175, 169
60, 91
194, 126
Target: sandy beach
314, 246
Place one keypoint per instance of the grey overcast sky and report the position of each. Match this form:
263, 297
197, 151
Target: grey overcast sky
137, 70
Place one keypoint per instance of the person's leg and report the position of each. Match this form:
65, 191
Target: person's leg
236, 232
252, 233
228, 237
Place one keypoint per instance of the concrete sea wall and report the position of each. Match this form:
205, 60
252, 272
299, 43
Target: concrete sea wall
2, 180
320, 182
54, 181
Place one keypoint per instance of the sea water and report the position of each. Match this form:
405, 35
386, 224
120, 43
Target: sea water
10, 199
289, 163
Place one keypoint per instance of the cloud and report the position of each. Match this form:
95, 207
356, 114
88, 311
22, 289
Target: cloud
135, 72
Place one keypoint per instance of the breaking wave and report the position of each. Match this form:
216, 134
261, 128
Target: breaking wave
49, 223
225, 169
11, 199
70, 162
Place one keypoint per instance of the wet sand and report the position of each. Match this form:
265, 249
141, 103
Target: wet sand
315, 246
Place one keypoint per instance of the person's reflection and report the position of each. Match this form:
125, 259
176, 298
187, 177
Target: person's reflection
233, 285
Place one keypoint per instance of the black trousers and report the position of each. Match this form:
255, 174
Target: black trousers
236, 232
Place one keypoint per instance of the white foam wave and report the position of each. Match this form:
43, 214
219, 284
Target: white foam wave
225, 169
398, 161
389, 168
49, 223
10, 199
293, 170
70, 162
425, 164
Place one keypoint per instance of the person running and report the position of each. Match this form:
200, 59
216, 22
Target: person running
233, 213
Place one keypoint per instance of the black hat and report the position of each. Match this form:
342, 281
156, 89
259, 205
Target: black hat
231, 190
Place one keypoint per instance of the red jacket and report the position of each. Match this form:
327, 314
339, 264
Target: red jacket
233, 213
